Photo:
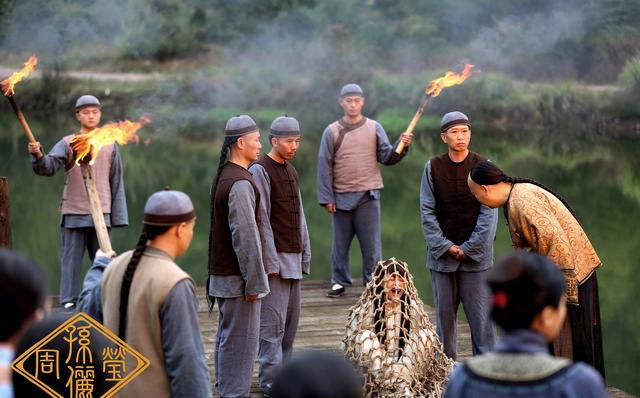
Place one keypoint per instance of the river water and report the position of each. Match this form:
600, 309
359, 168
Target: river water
599, 176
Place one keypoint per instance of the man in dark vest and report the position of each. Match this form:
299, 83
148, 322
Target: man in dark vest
286, 249
349, 184
459, 233
237, 277
77, 230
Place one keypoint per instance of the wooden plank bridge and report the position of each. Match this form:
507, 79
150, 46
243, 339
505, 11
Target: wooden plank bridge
322, 325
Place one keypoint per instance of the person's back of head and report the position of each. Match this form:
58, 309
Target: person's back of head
22, 294
168, 222
24, 387
525, 288
58, 381
528, 296
317, 374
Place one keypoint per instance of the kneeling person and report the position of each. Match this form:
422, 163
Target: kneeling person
389, 336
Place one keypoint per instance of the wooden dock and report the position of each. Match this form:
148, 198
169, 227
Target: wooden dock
322, 325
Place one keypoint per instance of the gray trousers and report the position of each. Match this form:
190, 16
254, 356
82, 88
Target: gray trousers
364, 222
236, 345
279, 316
74, 242
451, 288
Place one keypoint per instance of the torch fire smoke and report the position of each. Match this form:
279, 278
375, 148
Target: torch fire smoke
8, 89
8, 85
433, 90
85, 148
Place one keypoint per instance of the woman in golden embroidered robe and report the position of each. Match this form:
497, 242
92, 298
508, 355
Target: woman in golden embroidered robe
541, 221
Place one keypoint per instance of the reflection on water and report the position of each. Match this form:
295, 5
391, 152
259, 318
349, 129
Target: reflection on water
599, 177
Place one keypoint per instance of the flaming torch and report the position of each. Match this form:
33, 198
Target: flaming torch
433, 90
85, 148
8, 86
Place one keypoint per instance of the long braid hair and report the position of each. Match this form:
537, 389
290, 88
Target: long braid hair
487, 173
148, 232
224, 155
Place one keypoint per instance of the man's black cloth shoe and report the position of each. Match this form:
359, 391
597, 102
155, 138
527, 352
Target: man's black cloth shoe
336, 290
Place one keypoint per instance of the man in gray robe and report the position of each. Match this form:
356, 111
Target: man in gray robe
77, 230
287, 250
349, 184
237, 277
459, 233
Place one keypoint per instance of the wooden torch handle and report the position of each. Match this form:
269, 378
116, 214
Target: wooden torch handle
23, 122
414, 122
96, 209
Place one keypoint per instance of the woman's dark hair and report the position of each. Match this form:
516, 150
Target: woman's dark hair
149, 232
487, 173
224, 154
522, 284
317, 374
387, 268
23, 289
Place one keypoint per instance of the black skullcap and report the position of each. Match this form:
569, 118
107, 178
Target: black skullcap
87, 100
240, 125
351, 89
167, 208
453, 119
285, 126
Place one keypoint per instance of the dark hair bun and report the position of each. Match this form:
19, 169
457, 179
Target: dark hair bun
522, 284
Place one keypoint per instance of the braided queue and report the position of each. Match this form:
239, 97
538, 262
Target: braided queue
148, 232
224, 153
517, 180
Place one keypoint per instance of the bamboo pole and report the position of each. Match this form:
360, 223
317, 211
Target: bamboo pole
96, 208
23, 122
5, 220
414, 122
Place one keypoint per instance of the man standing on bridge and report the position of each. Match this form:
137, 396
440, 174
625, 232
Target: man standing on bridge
349, 184
77, 230
459, 233
286, 250
237, 277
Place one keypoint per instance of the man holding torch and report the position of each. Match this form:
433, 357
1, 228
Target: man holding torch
349, 184
77, 228
459, 233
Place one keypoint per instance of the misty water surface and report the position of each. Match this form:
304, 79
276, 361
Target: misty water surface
598, 176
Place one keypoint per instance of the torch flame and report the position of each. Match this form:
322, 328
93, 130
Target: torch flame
87, 145
16, 77
449, 79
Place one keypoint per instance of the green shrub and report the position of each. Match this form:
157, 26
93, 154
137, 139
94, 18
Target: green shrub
630, 78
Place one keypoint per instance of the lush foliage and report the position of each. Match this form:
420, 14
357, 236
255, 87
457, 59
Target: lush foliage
576, 39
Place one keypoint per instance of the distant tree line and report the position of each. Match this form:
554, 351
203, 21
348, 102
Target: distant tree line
585, 39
